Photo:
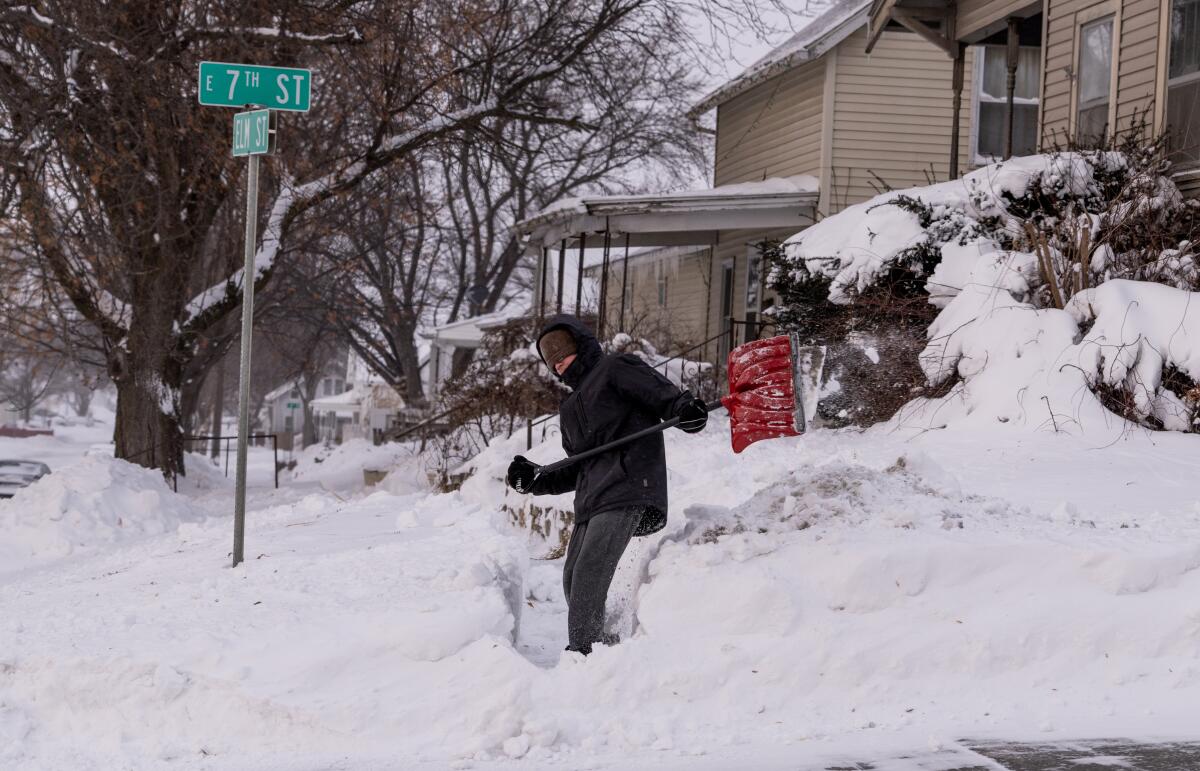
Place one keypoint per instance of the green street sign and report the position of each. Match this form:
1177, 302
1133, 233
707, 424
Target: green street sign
252, 133
238, 85
293, 405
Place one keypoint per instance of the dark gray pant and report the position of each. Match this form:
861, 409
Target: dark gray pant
593, 552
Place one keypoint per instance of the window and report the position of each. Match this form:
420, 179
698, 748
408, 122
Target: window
753, 278
1095, 81
1183, 82
660, 269
288, 425
991, 99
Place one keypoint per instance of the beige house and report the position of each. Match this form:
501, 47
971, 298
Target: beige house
815, 126
1092, 67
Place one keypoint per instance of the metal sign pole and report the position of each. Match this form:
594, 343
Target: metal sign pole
239, 514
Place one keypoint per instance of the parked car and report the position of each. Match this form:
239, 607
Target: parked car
15, 474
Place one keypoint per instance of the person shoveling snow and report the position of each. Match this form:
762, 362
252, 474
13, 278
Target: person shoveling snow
618, 494
611, 429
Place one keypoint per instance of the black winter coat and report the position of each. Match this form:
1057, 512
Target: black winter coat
613, 396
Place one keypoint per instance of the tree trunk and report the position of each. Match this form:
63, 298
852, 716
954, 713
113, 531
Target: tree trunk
83, 401
462, 359
218, 410
147, 428
310, 426
410, 365
148, 380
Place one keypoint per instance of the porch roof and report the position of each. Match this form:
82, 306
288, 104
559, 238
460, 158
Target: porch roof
683, 218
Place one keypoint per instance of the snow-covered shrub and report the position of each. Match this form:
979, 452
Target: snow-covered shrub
997, 249
871, 366
699, 377
505, 386
1087, 216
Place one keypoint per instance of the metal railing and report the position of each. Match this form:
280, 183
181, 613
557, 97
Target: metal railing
226, 440
726, 340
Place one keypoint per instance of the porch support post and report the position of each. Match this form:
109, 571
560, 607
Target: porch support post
541, 306
579, 275
957, 85
1014, 41
602, 322
624, 282
562, 265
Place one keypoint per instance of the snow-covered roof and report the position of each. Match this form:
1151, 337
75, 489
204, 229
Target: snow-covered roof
820, 35
280, 391
683, 217
468, 332
344, 403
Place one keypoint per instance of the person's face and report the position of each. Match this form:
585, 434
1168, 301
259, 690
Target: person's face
561, 365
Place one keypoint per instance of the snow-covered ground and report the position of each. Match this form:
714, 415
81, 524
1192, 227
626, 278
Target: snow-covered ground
868, 594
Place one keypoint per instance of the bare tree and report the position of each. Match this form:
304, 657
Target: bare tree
121, 177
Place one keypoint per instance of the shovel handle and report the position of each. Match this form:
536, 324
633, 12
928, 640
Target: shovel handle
572, 459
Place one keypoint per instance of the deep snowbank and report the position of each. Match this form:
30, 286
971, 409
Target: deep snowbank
826, 591
383, 621
92, 504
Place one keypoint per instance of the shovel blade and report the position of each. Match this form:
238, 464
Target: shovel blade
774, 387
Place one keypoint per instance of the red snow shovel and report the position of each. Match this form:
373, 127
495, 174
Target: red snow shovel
774, 385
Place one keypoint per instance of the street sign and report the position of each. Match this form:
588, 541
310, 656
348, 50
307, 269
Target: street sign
274, 88
293, 405
253, 133
238, 85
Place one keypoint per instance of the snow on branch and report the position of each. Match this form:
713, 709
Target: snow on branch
32, 16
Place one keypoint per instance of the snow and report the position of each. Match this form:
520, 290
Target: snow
856, 246
97, 502
1004, 359
340, 467
831, 591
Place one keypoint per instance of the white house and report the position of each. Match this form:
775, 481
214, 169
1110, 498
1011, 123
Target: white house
463, 334
283, 410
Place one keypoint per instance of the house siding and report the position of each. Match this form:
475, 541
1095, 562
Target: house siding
892, 113
772, 130
679, 323
734, 245
1135, 70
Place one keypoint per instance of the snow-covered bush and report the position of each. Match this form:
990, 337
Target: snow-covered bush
1000, 249
697, 376
505, 386
1086, 216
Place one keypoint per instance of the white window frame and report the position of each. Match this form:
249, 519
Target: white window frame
977, 89
1106, 12
1191, 77
753, 253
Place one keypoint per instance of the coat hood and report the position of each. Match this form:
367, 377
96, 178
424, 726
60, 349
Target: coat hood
589, 351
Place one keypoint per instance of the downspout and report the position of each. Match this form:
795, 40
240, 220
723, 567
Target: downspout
957, 85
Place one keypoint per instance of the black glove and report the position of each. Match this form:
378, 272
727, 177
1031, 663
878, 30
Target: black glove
521, 473
693, 416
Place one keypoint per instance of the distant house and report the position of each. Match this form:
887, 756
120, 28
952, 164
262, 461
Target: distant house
1082, 68
284, 409
816, 125
450, 338
361, 407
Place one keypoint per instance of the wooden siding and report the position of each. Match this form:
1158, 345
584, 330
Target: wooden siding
892, 116
772, 130
1135, 70
986, 16
734, 245
679, 322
